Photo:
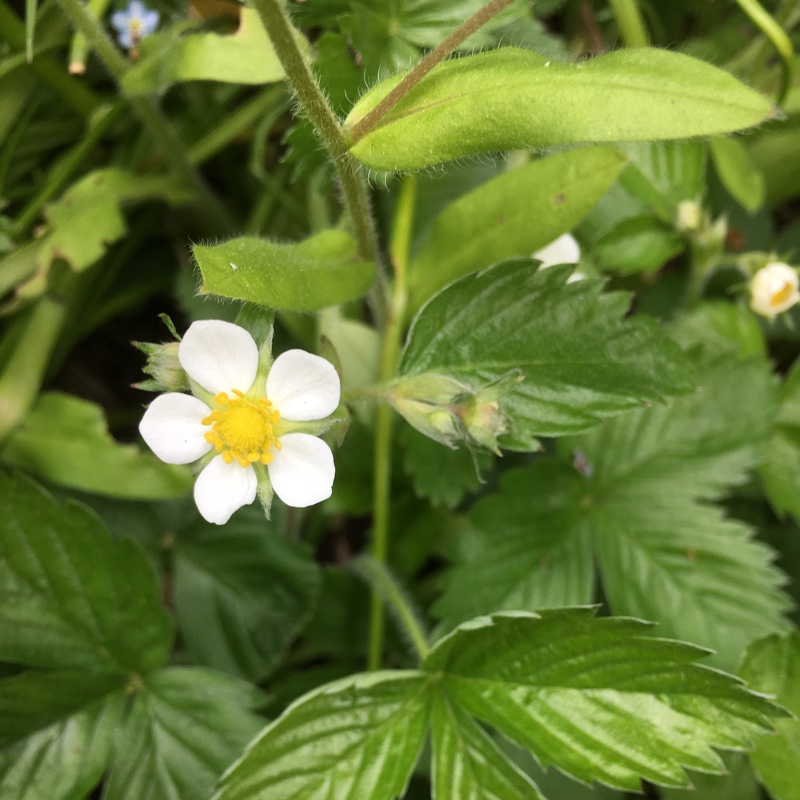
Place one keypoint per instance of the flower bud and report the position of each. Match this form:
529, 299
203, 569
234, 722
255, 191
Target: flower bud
428, 402
689, 216
163, 367
564, 250
774, 289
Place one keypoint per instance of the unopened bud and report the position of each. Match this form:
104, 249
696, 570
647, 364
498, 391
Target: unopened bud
774, 289
163, 367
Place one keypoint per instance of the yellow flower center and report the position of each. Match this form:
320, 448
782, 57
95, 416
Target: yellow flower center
135, 27
782, 295
243, 430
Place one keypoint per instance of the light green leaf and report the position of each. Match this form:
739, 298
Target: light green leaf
581, 362
638, 244
322, 271
780, 469
176, 55
243, 593
467, 764
633, 497
598, 698
774, 155
510, 98
738, 782
71, 597
184, 726
738, 173
65, 752
354, 739
65, 440
512, 215
720, 327
772, 665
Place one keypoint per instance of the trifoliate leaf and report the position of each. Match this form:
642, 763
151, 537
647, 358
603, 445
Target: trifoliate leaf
243, 593
354, 739
599, 698
579, 360
772, 665
71, 597
184, 726
632, 497
65, 440
510, 98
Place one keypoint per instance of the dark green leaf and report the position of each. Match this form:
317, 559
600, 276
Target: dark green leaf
71, 597
243, 593
598, 698
184, 726
65, 440
355, 739
324, 270
772, 665
580, 360
509, 98
494, 222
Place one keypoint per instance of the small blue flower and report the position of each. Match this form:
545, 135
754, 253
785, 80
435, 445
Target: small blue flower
133, 24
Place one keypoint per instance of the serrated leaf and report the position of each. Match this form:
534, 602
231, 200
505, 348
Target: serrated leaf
510, 98
65, 440
243, 593
780, 469
175, 55
772, 665
184, 726
512, 215
354, 739
467, 764
322, 271
66, 757
598, 698
633, 497
581, 362
71, 597
738, 173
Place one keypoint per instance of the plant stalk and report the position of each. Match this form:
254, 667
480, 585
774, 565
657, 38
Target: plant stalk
630, 22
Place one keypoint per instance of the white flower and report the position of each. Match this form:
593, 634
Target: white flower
564, 250
134, 23
773, 289
254, 425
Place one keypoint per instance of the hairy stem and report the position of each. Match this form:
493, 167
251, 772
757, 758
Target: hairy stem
438, 54
630, 22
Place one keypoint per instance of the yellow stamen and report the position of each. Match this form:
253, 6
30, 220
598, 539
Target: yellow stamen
782, 295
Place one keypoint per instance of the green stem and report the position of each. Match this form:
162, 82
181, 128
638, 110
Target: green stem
79, 49
630, 22
318, 110
414, 76
384, 584
25, 369
214, 215
384, 417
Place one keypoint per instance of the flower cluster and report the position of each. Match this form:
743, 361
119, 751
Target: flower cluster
134, 23
249, 423
774, 289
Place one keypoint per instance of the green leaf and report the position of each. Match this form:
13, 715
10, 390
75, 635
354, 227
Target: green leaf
510, 98
772, 665
581, 362
65, 440
322, 271
780, 469
638, 244
184, 726
243, 593
176, 55
633, 497
738, 173
354, 739
71, 597
738, 782
598, 698
494, 222
467, 764
64, 758
720, 327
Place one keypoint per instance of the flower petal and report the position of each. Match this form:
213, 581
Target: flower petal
302, 471
221, 489
119, 20
564, 250
149, 22
172, 429
218, 355
303, 386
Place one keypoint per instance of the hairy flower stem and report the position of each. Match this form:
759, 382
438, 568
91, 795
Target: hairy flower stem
213, 214
316, 107
438, 54
390, 349
630, 22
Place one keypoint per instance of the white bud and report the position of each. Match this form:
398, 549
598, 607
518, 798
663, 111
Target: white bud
564, 250
689, 216
774, 289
